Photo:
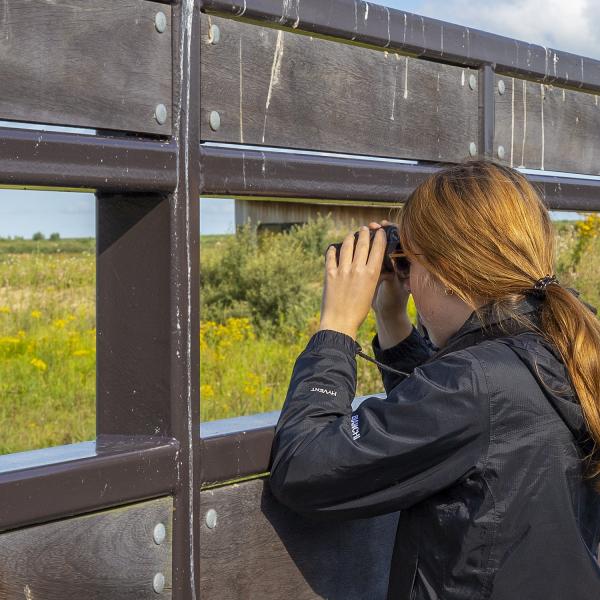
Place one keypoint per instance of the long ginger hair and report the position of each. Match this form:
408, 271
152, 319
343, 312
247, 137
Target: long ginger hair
484, 232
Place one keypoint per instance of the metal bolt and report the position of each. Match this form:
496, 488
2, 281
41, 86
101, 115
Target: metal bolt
160, 113
214, 34
214, 120
158, 583
472, 148
160, 22
500, 151
211, 518
472, 81
159, 534
501, 87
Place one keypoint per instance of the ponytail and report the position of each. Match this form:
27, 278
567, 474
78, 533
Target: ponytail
571, 326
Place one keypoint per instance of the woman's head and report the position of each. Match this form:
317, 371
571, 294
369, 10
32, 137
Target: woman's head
480, 230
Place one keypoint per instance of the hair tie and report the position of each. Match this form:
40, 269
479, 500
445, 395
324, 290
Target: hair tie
539, 290
539, 287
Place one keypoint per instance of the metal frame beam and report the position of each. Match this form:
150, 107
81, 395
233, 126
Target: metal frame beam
53, 483
231, 172
30, 159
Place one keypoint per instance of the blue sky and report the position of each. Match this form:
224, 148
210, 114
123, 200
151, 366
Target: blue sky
570, 26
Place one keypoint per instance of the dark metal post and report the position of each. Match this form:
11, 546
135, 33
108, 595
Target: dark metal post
486, 111
148, 360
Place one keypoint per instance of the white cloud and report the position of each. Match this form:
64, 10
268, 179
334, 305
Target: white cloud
571, 26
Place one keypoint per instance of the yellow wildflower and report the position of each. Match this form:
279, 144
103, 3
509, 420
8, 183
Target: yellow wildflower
38, 363
59, 323
4, 310
207, 391
36, 314
81, 353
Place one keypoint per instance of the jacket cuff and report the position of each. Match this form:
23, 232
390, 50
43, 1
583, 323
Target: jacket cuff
329, 338
409, 349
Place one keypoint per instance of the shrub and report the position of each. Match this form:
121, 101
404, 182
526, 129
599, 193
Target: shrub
265, 277
37, 236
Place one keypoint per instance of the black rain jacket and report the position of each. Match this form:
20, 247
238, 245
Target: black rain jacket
479, 448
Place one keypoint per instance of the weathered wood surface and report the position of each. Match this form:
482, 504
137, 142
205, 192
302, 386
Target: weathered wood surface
284, 89
274, 213
85, 63
260, 549
107, 555
547, 127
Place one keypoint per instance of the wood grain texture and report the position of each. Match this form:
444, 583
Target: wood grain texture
285, 89
268, 213
547, 127
261, 549
85, 63
107, 555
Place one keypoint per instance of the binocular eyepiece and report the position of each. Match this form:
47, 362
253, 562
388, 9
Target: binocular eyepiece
391, 261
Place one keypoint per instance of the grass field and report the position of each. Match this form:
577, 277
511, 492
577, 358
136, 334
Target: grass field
47, 336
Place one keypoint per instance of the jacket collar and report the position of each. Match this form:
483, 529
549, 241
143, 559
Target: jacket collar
492, 325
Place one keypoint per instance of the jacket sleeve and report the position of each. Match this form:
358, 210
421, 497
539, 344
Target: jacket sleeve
411, 352
328, 461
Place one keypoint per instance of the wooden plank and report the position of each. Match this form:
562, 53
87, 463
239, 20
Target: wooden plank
85, 63
285, 213
547, 127
105, 555
279, 88
260, 549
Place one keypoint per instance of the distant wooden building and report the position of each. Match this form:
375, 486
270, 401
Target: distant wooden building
281, 215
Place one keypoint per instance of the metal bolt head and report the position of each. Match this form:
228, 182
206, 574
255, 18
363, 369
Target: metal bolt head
158, 583
472, 148
214, 34
500, 152
501, 87
215, 120
211, 518
160, 114
160, 21
472, 81
159, 534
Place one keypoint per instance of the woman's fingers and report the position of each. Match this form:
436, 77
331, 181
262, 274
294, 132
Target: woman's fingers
346, 251
377, 250
330, 259
362, 247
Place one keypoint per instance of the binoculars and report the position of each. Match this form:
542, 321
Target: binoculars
394, 260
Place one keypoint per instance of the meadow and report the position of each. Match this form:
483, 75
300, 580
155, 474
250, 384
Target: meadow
260, 300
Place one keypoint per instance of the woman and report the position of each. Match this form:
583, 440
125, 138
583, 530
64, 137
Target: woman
487, 442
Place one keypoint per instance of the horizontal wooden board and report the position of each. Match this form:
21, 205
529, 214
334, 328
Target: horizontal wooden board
107, 555
287, 213
547, 127
284, 89
261, 549
85, 63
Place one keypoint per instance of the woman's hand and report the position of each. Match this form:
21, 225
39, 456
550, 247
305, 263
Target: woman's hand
391, 293
390, 303
349, 286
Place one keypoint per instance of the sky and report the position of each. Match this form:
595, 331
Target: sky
572, 26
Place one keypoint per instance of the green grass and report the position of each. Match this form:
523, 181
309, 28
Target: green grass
47, 340
47, 348
67, 246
